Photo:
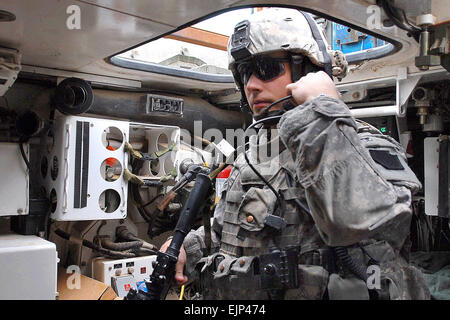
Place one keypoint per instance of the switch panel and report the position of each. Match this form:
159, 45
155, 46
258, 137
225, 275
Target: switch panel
123, 284
105, 270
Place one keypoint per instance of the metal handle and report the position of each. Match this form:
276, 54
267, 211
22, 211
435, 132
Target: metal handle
66, 168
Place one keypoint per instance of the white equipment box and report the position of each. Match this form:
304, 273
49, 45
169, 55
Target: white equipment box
431, 173
28, 268
82, 168
14, 193
123, 274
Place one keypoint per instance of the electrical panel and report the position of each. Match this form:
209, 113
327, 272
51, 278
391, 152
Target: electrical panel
123, 274
387, 125
14, 195
122, 285
82, 166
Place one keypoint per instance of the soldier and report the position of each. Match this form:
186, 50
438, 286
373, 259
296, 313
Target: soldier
328, 216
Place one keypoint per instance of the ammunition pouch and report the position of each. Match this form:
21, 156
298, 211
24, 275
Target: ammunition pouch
272, 273
279, 270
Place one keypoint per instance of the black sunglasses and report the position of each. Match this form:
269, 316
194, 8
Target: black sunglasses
263, 67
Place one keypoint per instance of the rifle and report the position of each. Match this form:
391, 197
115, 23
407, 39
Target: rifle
164, 270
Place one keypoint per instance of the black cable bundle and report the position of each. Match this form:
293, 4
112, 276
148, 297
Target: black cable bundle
399, 18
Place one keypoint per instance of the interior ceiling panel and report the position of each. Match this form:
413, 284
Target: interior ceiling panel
112, 26
40, 32
169, 12
107, 27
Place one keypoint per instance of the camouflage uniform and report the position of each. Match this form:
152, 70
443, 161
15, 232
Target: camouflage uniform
356, 199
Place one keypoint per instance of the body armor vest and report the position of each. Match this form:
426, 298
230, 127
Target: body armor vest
248, 201
244, 236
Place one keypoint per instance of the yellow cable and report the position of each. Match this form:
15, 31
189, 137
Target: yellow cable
182, 292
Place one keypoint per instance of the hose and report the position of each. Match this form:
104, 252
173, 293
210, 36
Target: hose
25, 159
145, 252
397, 17
135, 247
119, 246
346, 259
123, 233
90, 245
136, 165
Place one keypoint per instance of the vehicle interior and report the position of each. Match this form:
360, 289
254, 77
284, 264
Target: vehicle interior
109, 110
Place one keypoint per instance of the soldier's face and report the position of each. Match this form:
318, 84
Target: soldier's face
261, 94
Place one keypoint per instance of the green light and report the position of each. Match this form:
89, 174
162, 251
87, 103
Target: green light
383, 129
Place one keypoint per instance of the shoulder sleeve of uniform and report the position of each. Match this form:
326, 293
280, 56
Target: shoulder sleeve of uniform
311, 129
389, 159
348, 177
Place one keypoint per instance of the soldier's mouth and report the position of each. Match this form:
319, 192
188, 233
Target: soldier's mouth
260, 104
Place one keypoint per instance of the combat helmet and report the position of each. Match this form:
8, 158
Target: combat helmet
282, 29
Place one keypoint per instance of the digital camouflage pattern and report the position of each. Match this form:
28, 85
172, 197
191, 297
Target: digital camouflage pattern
354, 202
351, 197
282, 29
